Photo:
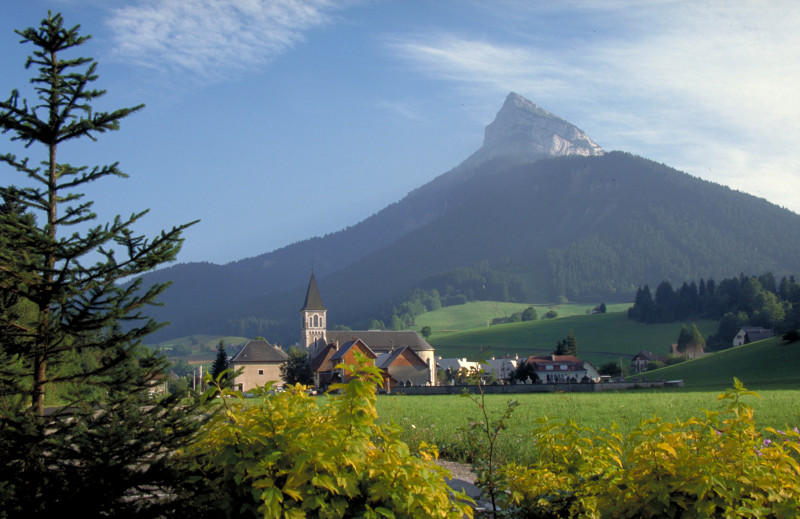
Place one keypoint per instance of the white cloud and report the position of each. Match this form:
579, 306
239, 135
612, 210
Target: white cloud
708, 86
210, 37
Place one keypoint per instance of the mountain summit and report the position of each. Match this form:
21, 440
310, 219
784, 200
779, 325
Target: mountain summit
528, 132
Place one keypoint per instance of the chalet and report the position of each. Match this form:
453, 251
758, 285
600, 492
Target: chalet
750, 334
561, 369
404, 356
261, 363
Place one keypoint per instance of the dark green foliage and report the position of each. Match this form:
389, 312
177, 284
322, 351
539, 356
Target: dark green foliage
529, 314
220, 365
524, 372
426, 332
612, 369
567, 346
736, 302
791, 336
104, 446
297, 370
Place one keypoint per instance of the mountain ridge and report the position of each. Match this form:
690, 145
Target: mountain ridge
544, 215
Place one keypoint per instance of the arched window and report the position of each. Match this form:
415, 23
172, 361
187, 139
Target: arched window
316, 321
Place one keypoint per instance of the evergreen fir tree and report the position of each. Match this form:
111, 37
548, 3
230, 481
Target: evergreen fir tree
567, 346
105, 446
220, 364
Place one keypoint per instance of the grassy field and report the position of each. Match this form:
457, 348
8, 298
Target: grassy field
601, 338
441, 420
768, 364
478, 314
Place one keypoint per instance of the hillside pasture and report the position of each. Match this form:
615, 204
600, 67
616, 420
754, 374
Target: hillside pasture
478, 314
601, 338
767, 364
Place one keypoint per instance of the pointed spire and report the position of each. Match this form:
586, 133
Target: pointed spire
313, 299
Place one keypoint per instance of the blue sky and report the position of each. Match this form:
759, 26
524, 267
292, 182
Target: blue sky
278, 120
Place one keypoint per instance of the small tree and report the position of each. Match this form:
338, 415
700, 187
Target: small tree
529, 314
426, 332
220, 365
524, 372
297, 369
683, 339
567, 346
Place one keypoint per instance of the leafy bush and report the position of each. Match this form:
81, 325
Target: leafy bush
292, 455
719, 466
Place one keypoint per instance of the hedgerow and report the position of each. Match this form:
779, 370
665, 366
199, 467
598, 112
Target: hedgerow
292, 455
717, 466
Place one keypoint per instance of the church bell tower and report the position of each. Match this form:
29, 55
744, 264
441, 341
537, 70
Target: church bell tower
314, 317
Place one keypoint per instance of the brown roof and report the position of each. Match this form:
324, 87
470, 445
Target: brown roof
385, 360
342, 351
260, 351
381, 340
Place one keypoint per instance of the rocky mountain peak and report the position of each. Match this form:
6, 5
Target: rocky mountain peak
523, 130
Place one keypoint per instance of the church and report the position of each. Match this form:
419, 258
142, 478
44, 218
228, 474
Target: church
405, 358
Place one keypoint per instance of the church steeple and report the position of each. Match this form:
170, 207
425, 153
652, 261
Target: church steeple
314, 315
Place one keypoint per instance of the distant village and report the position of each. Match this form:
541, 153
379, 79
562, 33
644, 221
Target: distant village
409, 363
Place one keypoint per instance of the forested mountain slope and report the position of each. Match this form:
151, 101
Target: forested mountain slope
585, 226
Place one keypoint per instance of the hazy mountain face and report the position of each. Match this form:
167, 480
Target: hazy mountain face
539, 199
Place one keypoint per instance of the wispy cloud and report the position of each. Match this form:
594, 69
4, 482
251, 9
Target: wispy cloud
211, 37
708, 87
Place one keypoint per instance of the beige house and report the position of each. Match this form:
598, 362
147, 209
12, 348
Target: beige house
260, 363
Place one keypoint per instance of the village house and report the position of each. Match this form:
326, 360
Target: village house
404, 356
260, 362
562, 369
641, 360
750, 334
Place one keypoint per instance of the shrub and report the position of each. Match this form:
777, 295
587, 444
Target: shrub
719, 466
292, 455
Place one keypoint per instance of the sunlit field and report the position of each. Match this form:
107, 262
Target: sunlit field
441, 419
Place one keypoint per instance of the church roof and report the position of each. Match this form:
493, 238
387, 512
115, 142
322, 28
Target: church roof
381, 340
260, 351
313, 299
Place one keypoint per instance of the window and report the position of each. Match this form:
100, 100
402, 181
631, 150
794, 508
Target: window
261, 372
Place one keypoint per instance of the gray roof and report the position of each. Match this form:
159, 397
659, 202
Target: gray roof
381, 340
260, 351
313, 299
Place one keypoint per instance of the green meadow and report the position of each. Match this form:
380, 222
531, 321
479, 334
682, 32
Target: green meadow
443, 420
601, 338
765, 365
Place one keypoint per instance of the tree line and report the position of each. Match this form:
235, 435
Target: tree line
734, 302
